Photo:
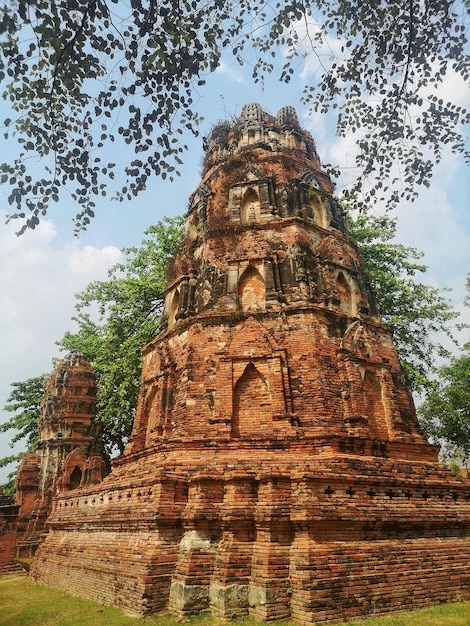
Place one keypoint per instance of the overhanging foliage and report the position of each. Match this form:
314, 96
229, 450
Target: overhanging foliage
88, 75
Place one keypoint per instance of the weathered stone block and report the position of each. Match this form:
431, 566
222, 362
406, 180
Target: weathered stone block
229, 600
188, 598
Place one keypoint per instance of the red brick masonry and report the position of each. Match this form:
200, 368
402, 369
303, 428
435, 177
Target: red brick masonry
8, 525
276, 467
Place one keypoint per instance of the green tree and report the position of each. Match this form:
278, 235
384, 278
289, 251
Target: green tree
24, 401
129, 305
445, 413
414, 311
85, 75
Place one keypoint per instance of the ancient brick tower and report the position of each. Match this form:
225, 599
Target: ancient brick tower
68, 452
275, 466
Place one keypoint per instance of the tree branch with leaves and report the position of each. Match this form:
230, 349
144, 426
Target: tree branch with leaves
24, 401
86, 77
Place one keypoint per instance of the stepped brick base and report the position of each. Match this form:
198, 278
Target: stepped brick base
12, 570
334, 539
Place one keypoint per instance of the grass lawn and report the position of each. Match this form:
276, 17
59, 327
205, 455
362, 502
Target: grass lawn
23, 603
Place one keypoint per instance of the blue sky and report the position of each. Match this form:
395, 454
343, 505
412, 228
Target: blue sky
41, 271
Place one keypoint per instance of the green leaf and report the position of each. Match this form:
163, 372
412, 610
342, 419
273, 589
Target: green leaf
129, 304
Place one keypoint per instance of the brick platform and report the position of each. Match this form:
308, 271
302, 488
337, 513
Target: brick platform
275, 467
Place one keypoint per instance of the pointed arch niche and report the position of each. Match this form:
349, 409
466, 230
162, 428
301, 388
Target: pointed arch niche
151, 421
370, 402
73, 468
317, 207
158, 405
250, 210
253, 395
252, 404
251, 290
75, 478
138, 436
344, 293
374, 405
173, 308
153, 412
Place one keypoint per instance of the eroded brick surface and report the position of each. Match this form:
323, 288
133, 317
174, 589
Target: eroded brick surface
275, 467
8, 525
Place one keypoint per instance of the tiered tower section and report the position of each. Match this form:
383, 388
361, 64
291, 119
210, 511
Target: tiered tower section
275, 467
68, 453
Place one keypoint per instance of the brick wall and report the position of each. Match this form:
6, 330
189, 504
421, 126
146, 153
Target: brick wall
8, 524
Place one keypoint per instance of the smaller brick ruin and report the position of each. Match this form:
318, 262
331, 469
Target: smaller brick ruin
276, 467
8, 526
68, 454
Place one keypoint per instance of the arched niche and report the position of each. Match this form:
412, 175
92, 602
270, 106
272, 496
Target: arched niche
359, 341
374, 405
317, 207
252, 405
251, 290
75, 478
73, 468
240, 388
250, 210
344, 294
153, 413
173, 308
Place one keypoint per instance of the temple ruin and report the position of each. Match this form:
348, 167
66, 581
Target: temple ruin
276, 467
68, 453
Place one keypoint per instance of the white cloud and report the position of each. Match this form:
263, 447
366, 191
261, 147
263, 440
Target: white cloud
90, 261
38, 279
224, 69
453, 87
338, 151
